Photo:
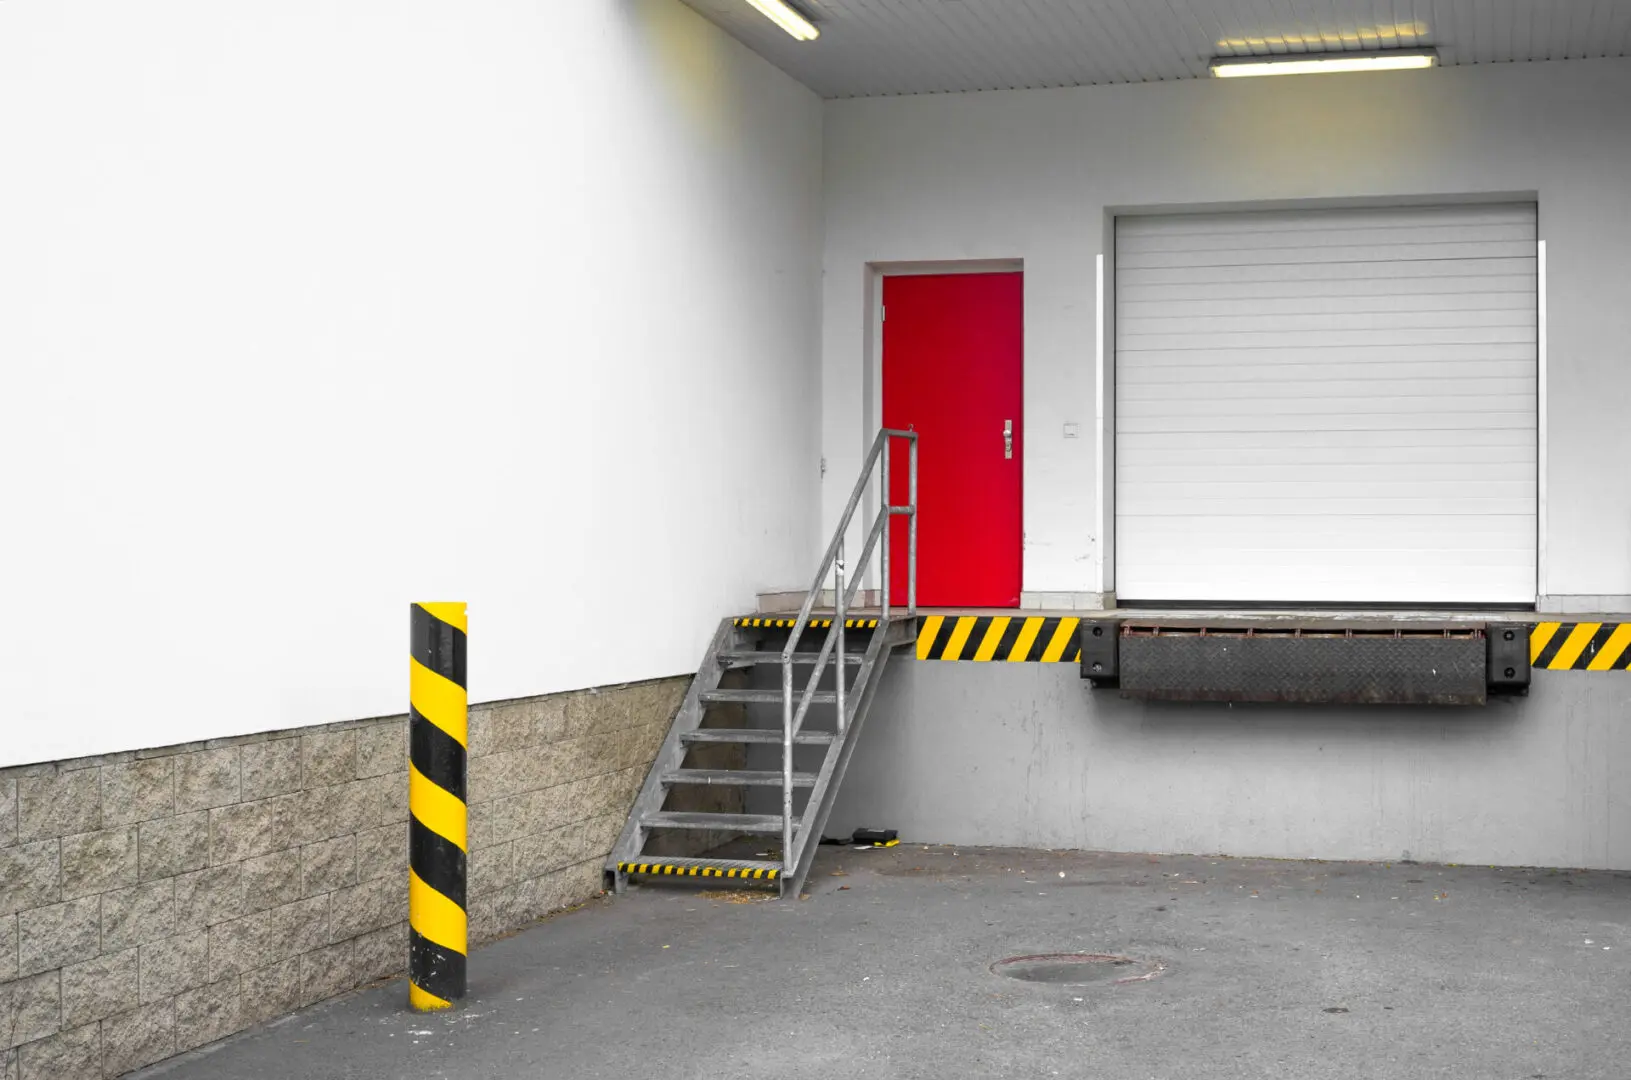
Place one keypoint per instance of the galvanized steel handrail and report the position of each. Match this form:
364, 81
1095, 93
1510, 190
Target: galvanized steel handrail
833, 561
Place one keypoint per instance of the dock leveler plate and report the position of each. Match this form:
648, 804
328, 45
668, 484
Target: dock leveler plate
1363, 662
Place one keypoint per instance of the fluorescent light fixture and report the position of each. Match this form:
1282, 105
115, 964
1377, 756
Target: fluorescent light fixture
1239, 67
785, 17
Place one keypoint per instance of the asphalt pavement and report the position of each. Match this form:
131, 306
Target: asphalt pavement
1224, 968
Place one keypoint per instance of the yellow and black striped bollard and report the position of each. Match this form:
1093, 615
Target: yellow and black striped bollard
438, 735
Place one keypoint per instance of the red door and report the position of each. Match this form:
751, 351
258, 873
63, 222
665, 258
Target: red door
953, 369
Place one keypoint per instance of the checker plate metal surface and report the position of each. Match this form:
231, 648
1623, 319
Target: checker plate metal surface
1323, 668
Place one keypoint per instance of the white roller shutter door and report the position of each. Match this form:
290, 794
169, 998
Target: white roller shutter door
1327, 406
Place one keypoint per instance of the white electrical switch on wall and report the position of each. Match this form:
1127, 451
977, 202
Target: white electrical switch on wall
1072, 430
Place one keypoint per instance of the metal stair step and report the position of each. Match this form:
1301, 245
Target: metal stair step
670, 866
820, 622
769, 824
755, 736
747, 777
752, 657
763, 697
732, 649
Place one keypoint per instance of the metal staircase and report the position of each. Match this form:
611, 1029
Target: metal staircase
797, 740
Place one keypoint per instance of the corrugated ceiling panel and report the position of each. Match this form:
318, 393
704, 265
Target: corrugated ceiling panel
880, 47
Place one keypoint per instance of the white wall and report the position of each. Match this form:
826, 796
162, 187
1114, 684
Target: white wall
1035, 175
309, 310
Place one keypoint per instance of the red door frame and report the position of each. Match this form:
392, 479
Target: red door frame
970, 555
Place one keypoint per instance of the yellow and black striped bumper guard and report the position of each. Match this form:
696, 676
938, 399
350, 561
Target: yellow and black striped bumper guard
1581, 646
1553, 646
438, 735
1005, 638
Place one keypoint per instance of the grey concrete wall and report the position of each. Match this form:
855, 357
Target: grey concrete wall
154, 901
1027, 754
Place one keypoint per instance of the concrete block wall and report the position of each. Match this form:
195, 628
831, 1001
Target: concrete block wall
155, 901
551, 783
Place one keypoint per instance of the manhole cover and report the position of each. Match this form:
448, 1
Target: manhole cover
1076, 968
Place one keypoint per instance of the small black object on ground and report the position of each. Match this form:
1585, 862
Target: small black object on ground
863, 838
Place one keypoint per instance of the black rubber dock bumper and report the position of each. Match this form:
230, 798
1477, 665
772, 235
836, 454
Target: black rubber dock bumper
1316, 662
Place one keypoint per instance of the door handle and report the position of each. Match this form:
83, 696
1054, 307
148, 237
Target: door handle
1008, 440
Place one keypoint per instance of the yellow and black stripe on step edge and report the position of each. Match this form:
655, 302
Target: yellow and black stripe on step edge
773, 623
1010, 639
1582, 646
438, 737
761, 874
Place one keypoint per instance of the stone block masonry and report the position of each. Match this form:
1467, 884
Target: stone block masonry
155, 901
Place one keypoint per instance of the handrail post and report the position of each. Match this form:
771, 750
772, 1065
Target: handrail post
787, 765
886, 508
838, 627
911, 545
833, 560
